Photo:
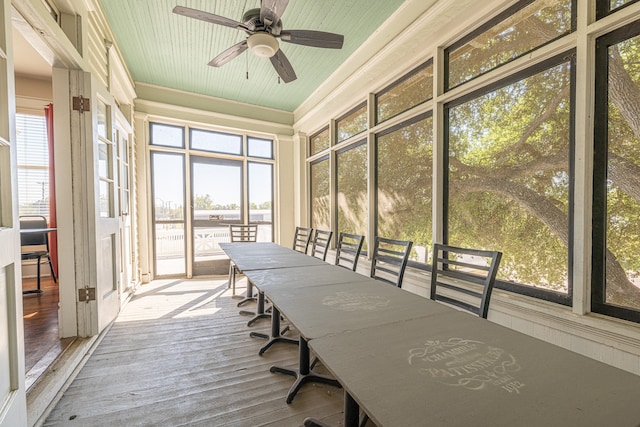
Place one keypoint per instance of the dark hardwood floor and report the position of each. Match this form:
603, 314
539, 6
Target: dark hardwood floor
41, 338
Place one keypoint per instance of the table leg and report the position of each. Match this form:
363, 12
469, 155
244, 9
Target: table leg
304, 374
249, 296
260, 313
275, 333
351, 411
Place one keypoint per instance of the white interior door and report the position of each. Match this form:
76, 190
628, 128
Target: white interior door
108, 233
95, 203
13, 408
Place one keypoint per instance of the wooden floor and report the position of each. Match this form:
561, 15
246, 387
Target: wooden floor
179, 354
41, 334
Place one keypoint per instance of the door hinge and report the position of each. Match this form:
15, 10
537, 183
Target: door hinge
81, 104
86, 294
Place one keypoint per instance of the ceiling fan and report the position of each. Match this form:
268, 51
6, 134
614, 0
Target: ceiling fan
263, 27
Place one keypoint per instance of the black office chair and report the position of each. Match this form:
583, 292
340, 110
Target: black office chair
35, 245
239, 233
302, 239
389, 260
320, 245
471, 274
348, 250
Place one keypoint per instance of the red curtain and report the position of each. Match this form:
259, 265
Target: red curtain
53, 222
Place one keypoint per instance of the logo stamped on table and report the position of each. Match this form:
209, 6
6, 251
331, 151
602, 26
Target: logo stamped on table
471, 364
349, 301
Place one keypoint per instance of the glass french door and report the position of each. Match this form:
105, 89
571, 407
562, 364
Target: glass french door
168, 173
217, 200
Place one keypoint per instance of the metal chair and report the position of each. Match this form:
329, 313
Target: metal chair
464, 277
302, 239
320, 245
389, 260
35, 245
240, 233
348, 250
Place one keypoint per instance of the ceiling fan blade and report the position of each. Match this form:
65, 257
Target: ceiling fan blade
206, 16
313, 38
283, 67
229, 54
272, 10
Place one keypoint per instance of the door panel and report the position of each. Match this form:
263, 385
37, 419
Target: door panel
167, 172
216, 197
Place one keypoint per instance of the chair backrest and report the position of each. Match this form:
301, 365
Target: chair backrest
302, 238
33, 239
389, 260
320, 246
455, 270
243, 232
348, 250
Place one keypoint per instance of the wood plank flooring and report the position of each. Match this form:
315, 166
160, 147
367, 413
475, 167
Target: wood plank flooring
179, 354
41, 334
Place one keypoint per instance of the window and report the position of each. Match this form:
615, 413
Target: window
216, 142
166, 135
604, 7
33, 165
520, 29
260, 177
404, 192
616, 217
320, 194
258, 147
353, 202
320, 141
411, 90
352, 123
508, 180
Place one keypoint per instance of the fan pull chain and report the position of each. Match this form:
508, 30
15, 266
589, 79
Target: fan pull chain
247, 56
278, 79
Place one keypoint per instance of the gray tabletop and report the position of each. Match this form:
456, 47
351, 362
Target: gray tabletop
299, 277
260, 256
455, 369
317, 311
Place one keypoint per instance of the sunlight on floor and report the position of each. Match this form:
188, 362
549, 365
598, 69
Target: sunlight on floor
199, 297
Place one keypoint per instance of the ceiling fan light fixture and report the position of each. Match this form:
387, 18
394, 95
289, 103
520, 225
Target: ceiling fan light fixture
263, 44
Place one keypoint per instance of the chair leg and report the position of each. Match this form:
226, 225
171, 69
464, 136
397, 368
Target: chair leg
53, 273
38, 274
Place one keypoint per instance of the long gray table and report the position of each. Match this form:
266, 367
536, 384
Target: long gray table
326, 300
455, 369
249, 256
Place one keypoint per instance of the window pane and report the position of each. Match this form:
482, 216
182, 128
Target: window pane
612, 5
258, 147
320, 141
170, 249
216, 141
406, 93
623, 175
168, 186
508, 178
353, 204
516, 33
404, 193
320, 194
261, 199
33, 165
103, 123
166, 135
352, 124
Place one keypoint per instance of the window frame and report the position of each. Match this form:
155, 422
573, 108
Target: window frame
539, 293
600, 167
490, 24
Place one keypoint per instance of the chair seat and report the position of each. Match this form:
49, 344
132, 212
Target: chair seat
33, 255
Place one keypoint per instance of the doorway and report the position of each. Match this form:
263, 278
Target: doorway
217, 201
